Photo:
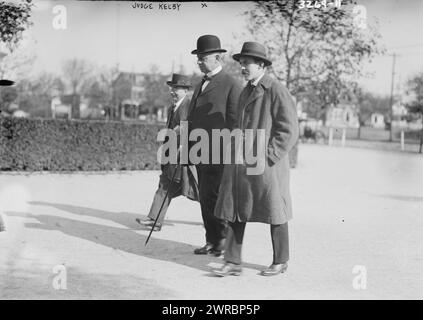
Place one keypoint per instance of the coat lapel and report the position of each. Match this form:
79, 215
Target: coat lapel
210, 86
179, 114
169, 116
258, 91
213, 82
182, 110
194, 99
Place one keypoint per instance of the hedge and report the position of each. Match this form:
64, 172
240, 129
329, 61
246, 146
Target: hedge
76, 145
409, 134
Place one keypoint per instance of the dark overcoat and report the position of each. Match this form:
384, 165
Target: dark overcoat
264, 197
186, 175
216, 106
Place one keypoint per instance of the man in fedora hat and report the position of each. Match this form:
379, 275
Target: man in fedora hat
267, 105
213, 106
185, 178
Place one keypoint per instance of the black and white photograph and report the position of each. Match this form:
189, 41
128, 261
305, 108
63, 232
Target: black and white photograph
238, 151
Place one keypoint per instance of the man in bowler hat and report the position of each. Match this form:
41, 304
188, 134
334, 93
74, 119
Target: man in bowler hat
185, 178
213, 106
266, 105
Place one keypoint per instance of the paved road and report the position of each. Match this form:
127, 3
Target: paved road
353, 208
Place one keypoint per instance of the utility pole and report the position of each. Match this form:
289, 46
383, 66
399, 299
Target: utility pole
392, 98
117, 33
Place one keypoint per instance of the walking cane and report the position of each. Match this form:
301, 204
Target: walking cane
161, 207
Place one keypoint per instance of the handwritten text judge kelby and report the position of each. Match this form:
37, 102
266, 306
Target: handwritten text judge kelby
159, 6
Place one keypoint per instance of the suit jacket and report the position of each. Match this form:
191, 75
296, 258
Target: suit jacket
186, 175
265, 197
181, 114
216, 106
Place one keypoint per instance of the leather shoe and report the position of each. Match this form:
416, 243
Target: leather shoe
146, 222
216, 252
208, 247
228, 269
275, 269
149, 223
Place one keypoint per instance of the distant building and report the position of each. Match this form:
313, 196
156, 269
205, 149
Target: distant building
343, 115
20, 114
13, 110
134, 98
67, 105
399, 115
415, 125
128, 95
377, 120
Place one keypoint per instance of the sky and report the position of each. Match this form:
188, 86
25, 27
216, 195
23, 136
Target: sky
115, 32
111, 33
401, 28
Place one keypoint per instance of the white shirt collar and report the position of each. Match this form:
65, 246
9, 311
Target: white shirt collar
215, 71
255, 82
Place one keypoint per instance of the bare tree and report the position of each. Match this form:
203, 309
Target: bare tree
76, 72
318, 49
99, 88
35, 94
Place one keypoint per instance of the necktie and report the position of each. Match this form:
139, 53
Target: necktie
172, 111
250, 87
205, 78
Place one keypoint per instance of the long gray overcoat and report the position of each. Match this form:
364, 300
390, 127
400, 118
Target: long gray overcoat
264, 197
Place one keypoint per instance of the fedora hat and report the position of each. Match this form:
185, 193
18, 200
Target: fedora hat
179, 80
255, 50
208, 44
6, 83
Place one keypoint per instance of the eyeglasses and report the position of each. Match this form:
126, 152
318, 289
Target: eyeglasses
205, 58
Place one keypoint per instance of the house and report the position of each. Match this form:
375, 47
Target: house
140, 95
128, 94
343, 115
90, 109
399, 115
377, 120
66, 105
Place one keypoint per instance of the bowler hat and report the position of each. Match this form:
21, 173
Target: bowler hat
208, 44
179, 80
5, 83
255, 50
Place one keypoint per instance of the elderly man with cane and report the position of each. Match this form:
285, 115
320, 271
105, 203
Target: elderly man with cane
175, 179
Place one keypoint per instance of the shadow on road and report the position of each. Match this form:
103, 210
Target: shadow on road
126, 219
124, 239
37, 283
